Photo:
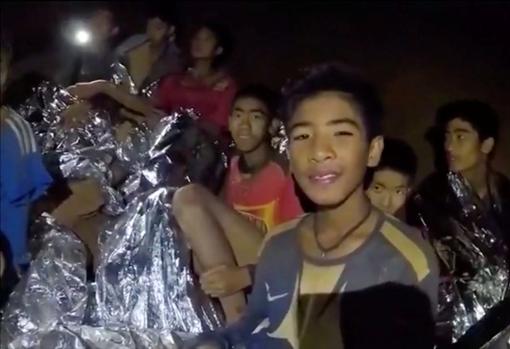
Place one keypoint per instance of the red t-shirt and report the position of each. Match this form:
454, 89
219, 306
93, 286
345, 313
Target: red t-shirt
213, 105
268, 198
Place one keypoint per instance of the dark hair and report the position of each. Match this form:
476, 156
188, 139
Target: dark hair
261, 93
224, 40
162, 12
105, 7
482, 117
336, 77
398, 156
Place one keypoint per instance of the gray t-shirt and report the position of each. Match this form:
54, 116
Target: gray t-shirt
393, 256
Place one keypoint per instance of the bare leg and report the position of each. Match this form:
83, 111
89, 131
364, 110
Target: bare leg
218, 235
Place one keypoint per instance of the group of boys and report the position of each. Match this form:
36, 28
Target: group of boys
255, 239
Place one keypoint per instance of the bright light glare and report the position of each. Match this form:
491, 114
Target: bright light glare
82, 37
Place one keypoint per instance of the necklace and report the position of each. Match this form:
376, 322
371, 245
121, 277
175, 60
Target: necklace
326, 250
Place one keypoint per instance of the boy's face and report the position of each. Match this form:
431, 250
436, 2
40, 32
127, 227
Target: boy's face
248, 124
328, 148
462, 146
204, 44
102, 25
157, 30
388, 190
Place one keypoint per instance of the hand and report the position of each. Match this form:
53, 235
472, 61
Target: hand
76, 114
225, 280
87, 90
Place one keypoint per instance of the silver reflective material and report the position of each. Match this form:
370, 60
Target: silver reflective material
145, 295
143, 279
52, 292
121, 76
473, 252
280, 140
84, 148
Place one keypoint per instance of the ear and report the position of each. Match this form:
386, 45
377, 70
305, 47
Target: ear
375, 150
274, 126
487, 145
115, 31
219, 51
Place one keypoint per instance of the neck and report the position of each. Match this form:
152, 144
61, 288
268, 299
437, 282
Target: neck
477, 178
156, 46
202, 68
341, 218
255, 159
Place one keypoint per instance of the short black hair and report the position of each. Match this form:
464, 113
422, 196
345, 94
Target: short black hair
163, 12
262, 93
480, 115
399, 156
224, 40
336, 77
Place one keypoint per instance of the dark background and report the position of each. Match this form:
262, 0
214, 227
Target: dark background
420, 55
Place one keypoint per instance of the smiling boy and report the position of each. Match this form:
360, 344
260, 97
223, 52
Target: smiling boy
333, 118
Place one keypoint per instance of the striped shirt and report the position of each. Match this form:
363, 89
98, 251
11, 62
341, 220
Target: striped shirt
23, 179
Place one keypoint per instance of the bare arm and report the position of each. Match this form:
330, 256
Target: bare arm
133, 102
90, 89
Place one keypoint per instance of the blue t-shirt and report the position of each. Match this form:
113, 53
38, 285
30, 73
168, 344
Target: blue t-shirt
23, 179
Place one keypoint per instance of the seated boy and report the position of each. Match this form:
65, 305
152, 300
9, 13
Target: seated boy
23, 177
333, 119
392, 180
226, 232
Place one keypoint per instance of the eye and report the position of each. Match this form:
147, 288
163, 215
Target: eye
344, 133
257, 116
237, 115
460, 137
300, 137
377, 188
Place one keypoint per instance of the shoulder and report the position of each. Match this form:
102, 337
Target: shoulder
408, 243
282, 163
130, 44
14, 124
233, 165
282, 236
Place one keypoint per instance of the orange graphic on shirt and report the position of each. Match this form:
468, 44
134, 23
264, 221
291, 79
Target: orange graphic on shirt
263, 216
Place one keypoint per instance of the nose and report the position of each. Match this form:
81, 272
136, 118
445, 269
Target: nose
386, 201
321, 150
448, 144
244, 123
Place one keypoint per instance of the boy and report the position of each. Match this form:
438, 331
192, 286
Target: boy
392, 180
92, 62
150, 56
23, 178
469, 131
333, 120
258, 194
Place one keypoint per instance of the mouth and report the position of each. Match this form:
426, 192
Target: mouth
324, 177
450, 158
244, 136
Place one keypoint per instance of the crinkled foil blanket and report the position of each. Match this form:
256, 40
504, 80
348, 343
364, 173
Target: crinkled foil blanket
475, 257
144, 295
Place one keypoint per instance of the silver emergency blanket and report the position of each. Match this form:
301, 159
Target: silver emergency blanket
145, 295
474, 255
143, 278
84, 148
53, 291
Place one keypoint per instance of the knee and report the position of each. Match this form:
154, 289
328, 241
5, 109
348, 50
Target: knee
187, 199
